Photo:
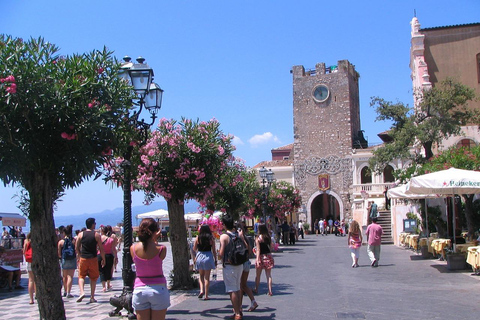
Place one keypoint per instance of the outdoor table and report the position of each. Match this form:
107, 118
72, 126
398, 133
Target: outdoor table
424, 242
473, 258
439, 246
413, 241
401, 238
463, 248
407, 240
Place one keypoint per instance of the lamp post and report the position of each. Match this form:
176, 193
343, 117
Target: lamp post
149, 96
267, 178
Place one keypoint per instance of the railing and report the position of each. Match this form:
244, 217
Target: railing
12, 243
370, 188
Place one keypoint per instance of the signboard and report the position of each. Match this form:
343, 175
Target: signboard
323, 182
12, 219
409, 225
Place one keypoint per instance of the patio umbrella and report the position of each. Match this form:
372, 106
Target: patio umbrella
402, 192
160, 214
193, 216
448, 183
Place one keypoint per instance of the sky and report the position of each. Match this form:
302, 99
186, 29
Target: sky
231, 60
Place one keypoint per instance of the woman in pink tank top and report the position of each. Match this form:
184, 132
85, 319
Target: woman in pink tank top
150, 294
110, 249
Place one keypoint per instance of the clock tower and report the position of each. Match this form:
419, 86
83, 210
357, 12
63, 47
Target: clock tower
326, 116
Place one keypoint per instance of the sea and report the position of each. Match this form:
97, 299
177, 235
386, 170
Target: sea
113, 217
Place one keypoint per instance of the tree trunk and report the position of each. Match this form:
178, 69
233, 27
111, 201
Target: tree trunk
427, 146
469, 215
182, 278
45, 264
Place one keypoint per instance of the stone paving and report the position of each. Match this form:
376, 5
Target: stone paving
311, 280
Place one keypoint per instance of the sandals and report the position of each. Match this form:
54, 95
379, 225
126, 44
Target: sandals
92, 300
200, 296
253, 307
81, 298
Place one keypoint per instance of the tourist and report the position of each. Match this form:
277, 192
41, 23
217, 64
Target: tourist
293, 234
300, 229
232, 274
246, 270
374, 235
264, 259
116, 240
87, 245
354, 241
28, 253
150, 294
330, 225
205, 258
316, 227
321, 227
67, 254
110, 249
373, 210
285, 232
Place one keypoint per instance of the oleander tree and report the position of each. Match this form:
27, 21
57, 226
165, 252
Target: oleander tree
62, 118
237, 186
183, 160
460, 158
282, 199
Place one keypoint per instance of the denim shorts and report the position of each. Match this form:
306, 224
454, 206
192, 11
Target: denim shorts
246, 266
155, 297
70, 264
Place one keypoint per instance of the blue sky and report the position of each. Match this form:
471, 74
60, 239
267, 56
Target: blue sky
231, 60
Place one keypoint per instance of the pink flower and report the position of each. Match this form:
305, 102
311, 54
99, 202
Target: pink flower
12, 89
10, 78
221, 151
67, 136
100, 70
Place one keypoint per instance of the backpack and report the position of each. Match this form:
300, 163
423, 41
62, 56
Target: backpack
68, 250
237, 252
28, 252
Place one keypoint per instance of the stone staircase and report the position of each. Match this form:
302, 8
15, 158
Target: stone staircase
385, 220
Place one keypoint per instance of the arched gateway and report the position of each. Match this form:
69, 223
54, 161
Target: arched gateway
324, 205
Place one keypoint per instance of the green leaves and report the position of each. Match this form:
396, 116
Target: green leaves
440, 114
67, 112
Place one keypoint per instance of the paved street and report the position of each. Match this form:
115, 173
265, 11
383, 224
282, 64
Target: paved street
314, 280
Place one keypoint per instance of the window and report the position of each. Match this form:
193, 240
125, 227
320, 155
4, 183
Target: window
467, 143
366, 175
388, 174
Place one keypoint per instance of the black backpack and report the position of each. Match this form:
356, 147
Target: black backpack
68, 250
237, 252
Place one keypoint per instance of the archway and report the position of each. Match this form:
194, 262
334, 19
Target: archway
324, 206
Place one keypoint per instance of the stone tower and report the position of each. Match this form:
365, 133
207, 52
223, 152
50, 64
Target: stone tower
326, 116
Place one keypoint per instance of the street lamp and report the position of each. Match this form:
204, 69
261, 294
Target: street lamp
267, 178
149, 95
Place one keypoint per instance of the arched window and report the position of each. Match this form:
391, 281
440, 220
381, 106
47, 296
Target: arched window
468, 143
366, 175
388, 174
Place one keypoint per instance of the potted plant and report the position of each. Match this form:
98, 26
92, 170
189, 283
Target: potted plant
306, 228
456, 260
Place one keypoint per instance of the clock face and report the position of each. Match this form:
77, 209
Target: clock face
321, 93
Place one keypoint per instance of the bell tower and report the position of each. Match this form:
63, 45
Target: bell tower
326, 116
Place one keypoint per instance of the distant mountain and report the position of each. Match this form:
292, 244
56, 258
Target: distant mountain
115, 216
